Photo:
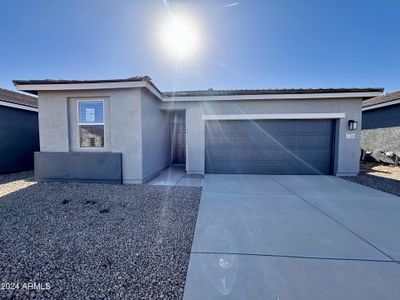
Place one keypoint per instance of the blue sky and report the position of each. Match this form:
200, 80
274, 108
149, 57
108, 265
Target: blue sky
253, 44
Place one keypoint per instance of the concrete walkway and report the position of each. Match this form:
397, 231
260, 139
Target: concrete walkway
176, 175
294, 237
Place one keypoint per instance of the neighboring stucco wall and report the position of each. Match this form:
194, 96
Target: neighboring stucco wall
156, 132
381, 139
19, 139
381, 129
348, 150
124, 125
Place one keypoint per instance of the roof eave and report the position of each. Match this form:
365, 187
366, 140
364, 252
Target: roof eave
380, 105
34, 88
348, 95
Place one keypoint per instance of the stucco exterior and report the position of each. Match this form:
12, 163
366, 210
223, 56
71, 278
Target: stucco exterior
123, 125
156, 136
348, 148
138, 120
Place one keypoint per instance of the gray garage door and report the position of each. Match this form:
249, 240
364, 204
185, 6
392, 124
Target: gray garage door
269, 146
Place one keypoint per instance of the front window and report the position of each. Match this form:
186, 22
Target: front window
91, 123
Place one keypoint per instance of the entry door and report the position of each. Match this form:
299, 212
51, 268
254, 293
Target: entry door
269, 146
179, 138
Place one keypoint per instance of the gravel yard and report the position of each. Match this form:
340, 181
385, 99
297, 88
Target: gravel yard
382, 177
92, 241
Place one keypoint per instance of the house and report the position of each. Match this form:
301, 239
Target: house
19, 132
381, 128
128, 130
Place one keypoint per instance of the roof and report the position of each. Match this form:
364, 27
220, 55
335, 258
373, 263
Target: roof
32, 86
18, 98
66, 81
74, 81
388, 97
212, 92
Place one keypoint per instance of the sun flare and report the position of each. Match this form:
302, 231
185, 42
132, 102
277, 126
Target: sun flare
180, 37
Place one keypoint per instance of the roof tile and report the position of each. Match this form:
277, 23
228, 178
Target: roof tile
18, 98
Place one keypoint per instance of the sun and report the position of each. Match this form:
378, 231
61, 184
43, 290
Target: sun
180, 37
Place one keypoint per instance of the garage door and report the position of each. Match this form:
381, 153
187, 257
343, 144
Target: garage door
269, 146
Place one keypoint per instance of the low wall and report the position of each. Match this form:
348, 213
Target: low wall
100, 167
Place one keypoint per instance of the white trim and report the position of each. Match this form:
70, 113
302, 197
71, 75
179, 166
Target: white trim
273, 96
79, 124
154, 91
275, 116
19, 106
393, 102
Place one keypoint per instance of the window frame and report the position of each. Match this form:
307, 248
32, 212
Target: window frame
79, 123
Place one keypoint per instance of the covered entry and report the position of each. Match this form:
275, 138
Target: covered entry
269, 146
178, 137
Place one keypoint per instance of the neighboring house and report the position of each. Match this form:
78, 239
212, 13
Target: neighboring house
19, 132
127, 130
381, 127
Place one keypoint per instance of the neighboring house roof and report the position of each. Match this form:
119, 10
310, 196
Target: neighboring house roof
382, 101
32, 86
17, 100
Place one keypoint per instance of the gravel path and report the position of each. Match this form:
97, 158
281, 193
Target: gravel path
92, 241
382, 177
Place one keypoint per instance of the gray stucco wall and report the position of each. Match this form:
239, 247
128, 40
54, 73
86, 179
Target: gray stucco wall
125, 131
381, 129
100, 167
348, 149
139, 130
156, 136
19, 139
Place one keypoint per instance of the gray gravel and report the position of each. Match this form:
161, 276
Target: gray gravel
379, 176
91, 241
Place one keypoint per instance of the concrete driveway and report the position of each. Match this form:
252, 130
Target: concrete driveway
294, 237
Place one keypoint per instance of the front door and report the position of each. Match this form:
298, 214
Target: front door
178, 135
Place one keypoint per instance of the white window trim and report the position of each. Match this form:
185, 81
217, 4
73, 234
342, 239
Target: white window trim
274, 116
79, 124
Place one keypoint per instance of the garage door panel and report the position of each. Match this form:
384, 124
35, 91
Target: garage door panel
285, 141
272, 168
313, 126
221, 154
259, 141
220, 127
254, 155
282, 155
269, 146
220, 141
315, 141
277, 126
313, 155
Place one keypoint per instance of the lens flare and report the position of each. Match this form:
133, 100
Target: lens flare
180, 37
